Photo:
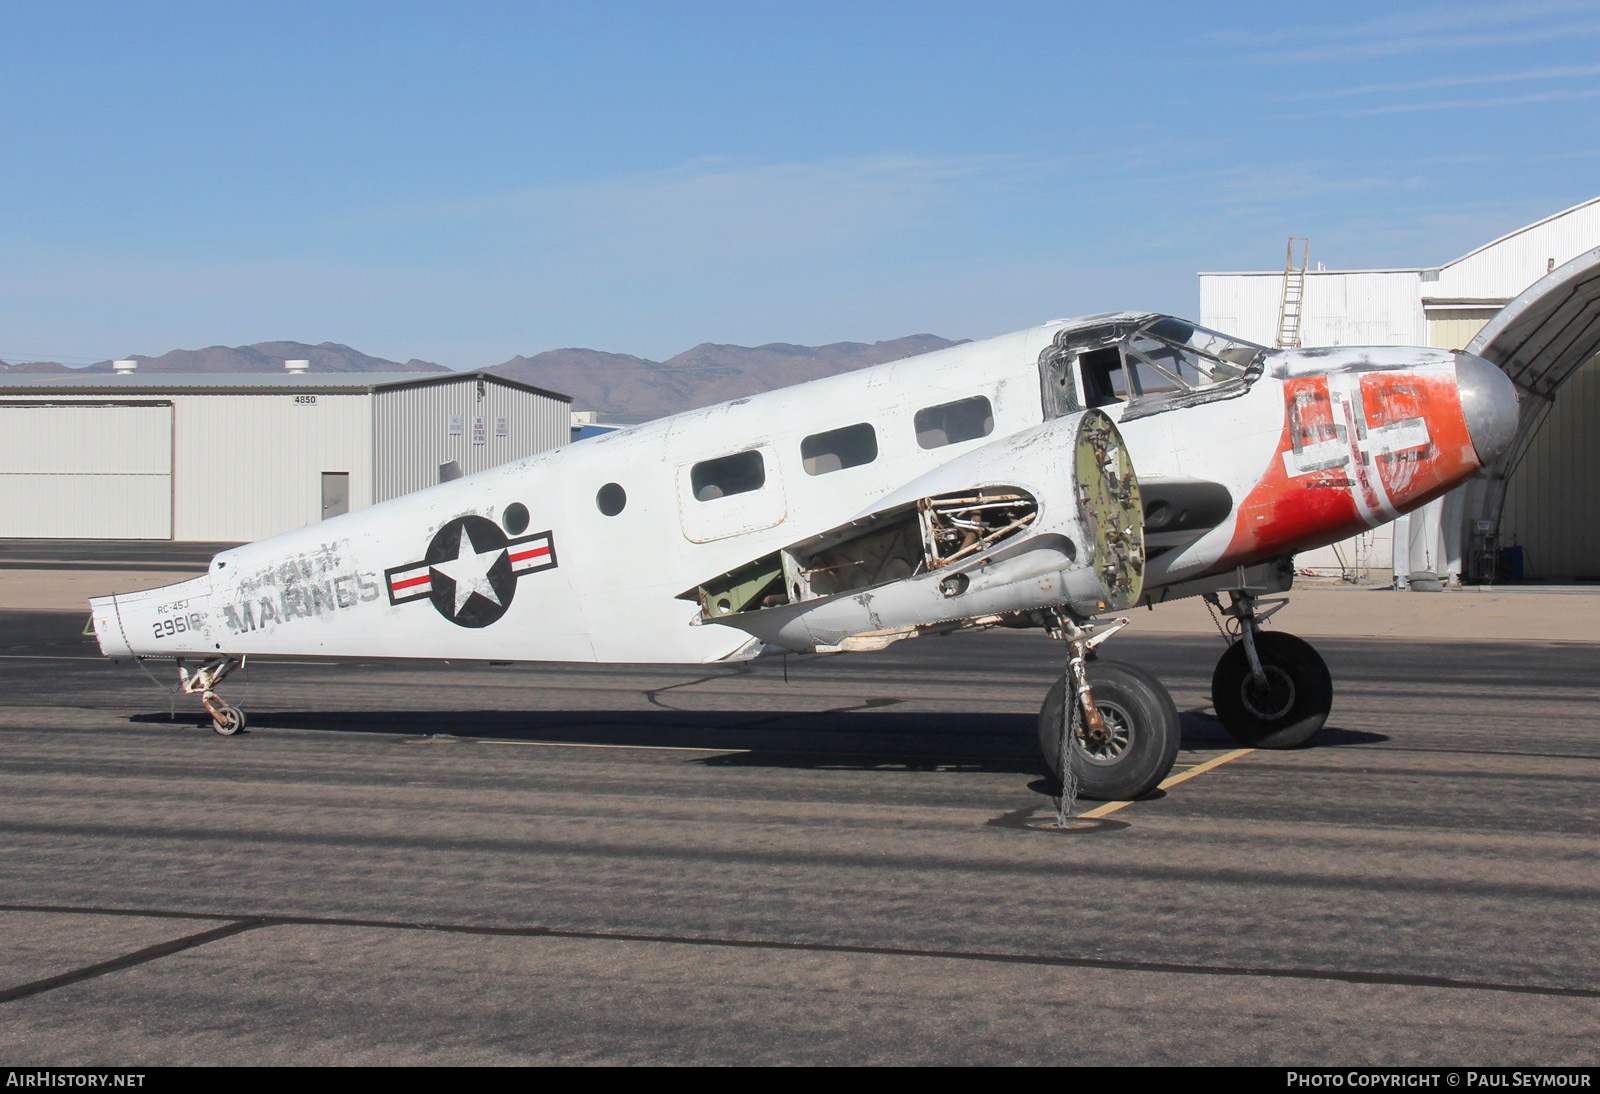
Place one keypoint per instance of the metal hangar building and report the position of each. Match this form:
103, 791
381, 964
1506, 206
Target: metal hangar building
239, 456
1528, 301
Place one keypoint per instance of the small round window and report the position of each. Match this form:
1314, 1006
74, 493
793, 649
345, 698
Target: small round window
516, 518
610, 499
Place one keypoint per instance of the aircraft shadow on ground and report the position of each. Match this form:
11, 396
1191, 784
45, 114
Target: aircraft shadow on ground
845, 740
1202, 729
856, 739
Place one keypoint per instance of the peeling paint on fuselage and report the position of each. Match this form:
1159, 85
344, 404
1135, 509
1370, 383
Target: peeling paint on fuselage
614, 595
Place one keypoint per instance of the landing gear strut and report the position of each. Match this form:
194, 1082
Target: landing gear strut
1124, 728
1270, 690
226, 720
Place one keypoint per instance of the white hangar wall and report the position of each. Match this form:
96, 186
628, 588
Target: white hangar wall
416, 431
1341, 307
114, 471
1498, 271
240, 457
251, 465
1550, 506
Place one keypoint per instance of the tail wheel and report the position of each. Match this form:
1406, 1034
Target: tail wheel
1142, 733
227, 720
1284, 712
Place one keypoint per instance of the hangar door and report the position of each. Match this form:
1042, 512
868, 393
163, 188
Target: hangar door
86, 471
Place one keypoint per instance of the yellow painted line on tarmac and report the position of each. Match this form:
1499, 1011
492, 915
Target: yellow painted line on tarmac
646, 748
1172, 780
1201, 769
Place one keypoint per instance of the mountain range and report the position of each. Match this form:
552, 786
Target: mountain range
261, 357
620, 387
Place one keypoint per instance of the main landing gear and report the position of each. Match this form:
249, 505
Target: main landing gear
1116, 739
226, 720
1270, 690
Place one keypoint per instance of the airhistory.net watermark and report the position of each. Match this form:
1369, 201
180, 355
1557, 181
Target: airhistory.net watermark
50, 1079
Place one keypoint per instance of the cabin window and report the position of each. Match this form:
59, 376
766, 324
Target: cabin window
838, 449
727, 475
610, 499
952, 423
515, 518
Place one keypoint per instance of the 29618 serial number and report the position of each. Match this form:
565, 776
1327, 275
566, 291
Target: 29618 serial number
178, 624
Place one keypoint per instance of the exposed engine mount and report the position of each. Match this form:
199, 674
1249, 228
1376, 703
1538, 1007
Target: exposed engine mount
958, 547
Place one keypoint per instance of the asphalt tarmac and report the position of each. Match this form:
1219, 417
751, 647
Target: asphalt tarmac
830, 860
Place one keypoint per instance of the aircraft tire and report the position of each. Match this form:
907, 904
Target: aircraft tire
1290, 709
231, 721
1143, 722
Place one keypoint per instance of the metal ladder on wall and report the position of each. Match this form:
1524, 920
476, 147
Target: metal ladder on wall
1294, 292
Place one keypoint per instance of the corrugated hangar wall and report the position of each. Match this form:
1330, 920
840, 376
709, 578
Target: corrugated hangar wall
1342, 307
71, 471
250, 466
1453, 329
475, 425
1550, 509
235, 458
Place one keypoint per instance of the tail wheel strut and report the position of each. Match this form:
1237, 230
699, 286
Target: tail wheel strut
225, 719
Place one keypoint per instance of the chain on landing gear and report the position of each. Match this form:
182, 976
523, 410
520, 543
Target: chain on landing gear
1107, 728
226, 720
1083, 717
1270, 690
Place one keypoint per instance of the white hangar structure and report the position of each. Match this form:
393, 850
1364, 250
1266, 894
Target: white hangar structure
1528, 301
235, 457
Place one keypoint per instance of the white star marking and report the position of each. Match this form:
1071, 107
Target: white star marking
470, 572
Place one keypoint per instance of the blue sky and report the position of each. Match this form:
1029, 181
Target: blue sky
466, 182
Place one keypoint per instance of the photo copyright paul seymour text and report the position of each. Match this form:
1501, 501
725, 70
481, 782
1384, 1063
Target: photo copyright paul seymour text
1459, 1078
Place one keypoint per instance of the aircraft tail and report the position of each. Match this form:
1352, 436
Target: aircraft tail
169, 621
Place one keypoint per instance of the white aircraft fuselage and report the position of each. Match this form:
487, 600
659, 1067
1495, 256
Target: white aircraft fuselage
953, 488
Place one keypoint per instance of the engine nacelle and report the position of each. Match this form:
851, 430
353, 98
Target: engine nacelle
1046, 518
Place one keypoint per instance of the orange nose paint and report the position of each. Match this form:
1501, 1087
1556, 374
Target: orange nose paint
1357, 450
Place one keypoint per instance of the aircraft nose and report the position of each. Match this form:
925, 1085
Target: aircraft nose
1489, 405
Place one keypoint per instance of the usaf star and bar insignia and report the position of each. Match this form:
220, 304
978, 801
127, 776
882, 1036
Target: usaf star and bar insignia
471, 570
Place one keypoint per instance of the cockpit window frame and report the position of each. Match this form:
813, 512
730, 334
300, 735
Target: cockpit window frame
1231, 365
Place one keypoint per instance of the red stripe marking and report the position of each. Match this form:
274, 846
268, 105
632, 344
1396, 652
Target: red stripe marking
535, 553
1358, 466
423, 580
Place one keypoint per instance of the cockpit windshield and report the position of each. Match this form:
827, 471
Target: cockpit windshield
1172, 355
1166, 358
1149, 362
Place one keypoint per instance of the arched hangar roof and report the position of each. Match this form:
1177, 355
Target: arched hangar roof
1540, 339
1546, 334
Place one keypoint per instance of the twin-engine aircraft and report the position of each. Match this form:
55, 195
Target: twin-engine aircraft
1045, 478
